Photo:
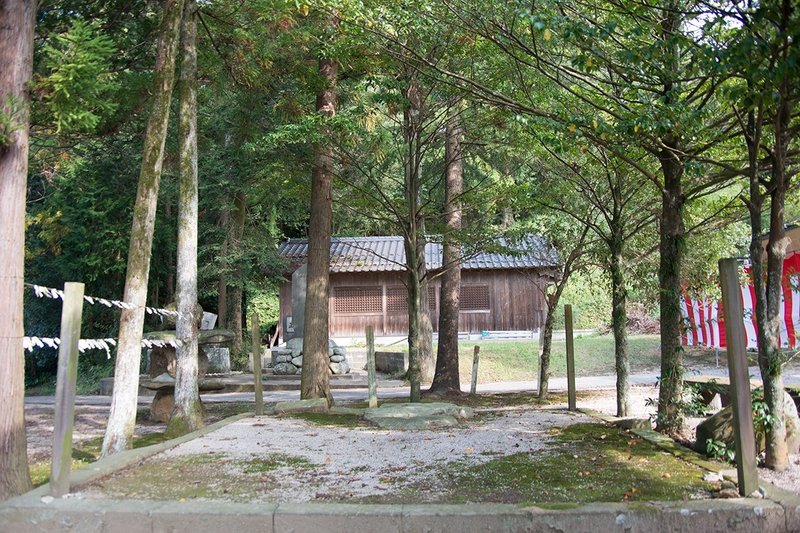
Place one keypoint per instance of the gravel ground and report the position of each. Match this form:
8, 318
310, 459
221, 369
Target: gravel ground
351, 456
519, 431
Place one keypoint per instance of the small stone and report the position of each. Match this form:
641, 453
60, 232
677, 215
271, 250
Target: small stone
337, 358
336, 368
727, 493
757, 494
297, 361
727, 485
47, 499
284, 369
712, 477
299, 371
283, 358
339, 350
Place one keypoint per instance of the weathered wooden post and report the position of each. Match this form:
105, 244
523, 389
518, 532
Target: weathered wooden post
744, 435
256, 339
474, 385
67, 379
371, 379
570, 358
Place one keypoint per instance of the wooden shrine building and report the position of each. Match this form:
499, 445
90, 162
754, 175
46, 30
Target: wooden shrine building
499, 291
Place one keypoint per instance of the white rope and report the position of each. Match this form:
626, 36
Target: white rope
29, 343
55, 294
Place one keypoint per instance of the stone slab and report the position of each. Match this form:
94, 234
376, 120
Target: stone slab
337, 518
391, 362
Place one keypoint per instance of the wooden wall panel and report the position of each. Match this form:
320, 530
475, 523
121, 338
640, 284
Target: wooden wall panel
515, 303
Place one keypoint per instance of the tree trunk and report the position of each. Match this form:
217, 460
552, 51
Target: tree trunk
414, 371
222, 280
427, 364
771, 365
671, 248
315, 378
619, 319
16, 59
236, 234
188, 413
547, 344
122, 417
414, 237
446, 379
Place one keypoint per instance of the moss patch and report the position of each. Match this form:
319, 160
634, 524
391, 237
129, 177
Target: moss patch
585, 463
274, 461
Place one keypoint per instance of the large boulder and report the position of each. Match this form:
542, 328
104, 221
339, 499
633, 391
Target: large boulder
719, 427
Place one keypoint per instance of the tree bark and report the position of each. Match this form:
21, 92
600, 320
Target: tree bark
236, 235
671, 248
773, 359
222, 280
16, 60
122, 417
547, 347
414, 238
446, 379
414, 371
619, 319
315, 377
427, 364
187, 415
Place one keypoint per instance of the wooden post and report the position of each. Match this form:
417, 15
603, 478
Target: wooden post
570, 358
66, 383
256, 338
744, 435
371, 379
474, 385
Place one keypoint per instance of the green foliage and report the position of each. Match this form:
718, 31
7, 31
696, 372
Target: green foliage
11, 111
264, 303
79, 80
590, 296
720, 451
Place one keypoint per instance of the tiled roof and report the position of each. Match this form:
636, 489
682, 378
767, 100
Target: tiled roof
382, 254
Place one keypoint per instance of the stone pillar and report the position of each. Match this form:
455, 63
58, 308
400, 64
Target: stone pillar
298, 303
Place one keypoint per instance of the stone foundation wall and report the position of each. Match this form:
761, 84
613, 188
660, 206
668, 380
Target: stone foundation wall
288, 359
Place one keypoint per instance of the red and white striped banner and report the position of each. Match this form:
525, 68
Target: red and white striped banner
703, 323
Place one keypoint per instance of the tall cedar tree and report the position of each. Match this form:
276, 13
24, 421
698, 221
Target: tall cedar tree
187, 415
315, 379
122, 417
16, 63
446, 379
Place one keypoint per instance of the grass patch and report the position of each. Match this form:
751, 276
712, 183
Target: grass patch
86, 452
585, 463
274, 461
518, 360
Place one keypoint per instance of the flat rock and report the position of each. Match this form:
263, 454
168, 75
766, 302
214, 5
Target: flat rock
413, 410
415, 423
317, 405
297, 361
416, 416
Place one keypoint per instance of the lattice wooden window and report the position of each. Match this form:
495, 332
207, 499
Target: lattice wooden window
396, 300
432, 298
474, 298
358, 300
